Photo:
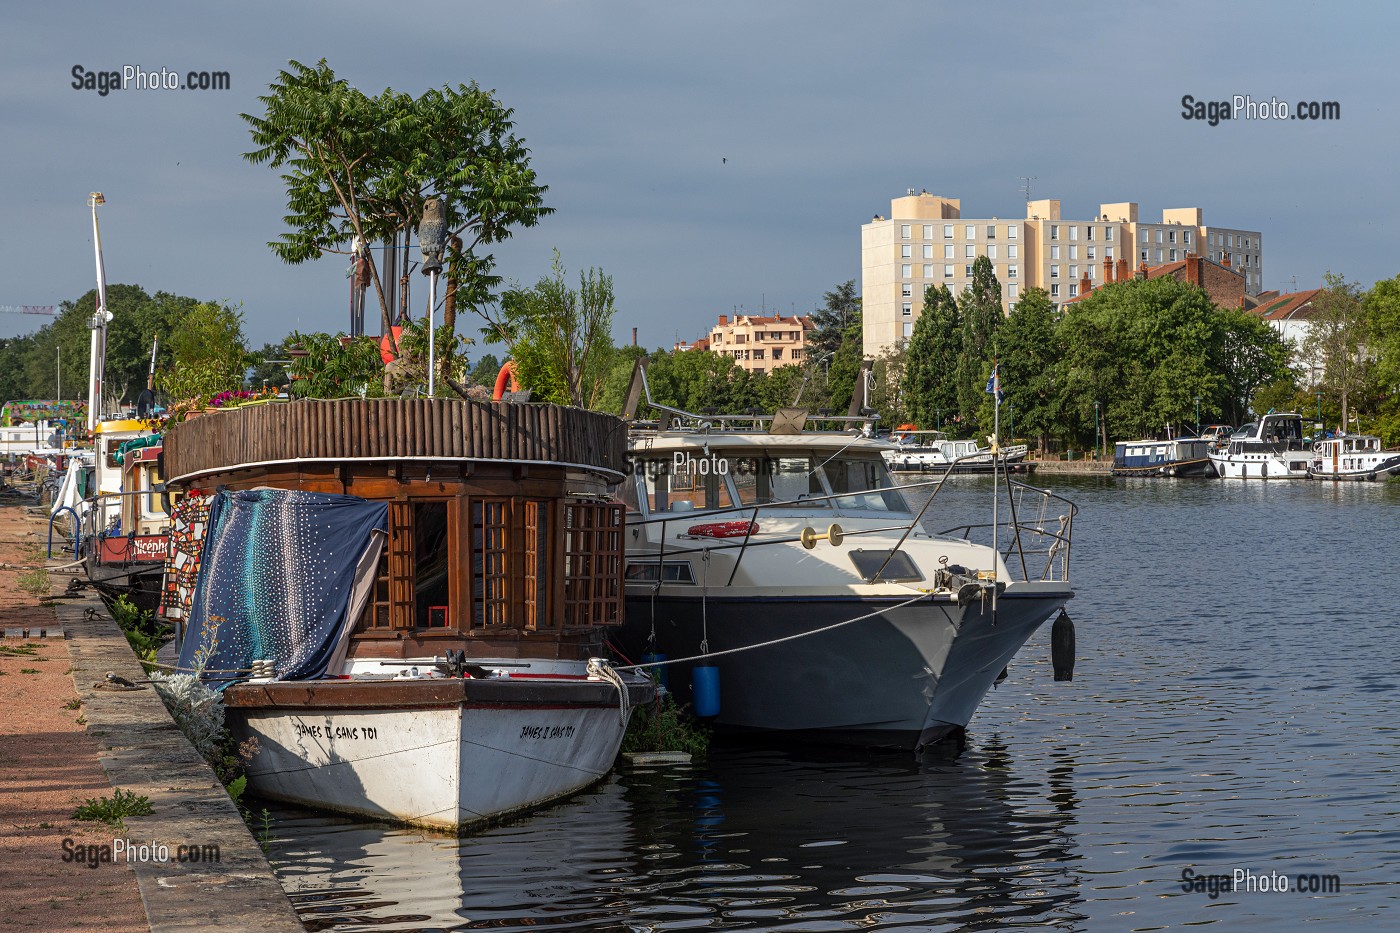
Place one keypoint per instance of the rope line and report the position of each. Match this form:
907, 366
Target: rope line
778, 641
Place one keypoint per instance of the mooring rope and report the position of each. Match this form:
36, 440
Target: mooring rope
778, 641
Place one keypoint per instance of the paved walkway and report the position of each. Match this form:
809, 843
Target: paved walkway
53, 757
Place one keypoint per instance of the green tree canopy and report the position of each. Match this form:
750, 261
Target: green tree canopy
980, 309
840, 310
208, 353
559, 337
360, 166
934, 350
1029, 357
1337, 336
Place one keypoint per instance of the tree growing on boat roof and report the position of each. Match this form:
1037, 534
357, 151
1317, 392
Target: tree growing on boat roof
559, 337
361, 166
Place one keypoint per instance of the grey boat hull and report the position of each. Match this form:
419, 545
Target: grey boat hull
902, 680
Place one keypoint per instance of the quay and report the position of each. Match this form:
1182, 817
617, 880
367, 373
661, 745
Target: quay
66, 740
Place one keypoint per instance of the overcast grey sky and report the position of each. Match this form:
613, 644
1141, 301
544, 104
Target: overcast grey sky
824, 111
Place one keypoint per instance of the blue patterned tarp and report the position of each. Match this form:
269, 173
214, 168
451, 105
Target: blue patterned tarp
275, 581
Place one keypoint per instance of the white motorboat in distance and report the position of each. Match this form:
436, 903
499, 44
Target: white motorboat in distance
917, 451
1355, 457
1270, 448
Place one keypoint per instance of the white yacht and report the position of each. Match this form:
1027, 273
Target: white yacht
788, 559
1353, 457
917, 451
1270, 448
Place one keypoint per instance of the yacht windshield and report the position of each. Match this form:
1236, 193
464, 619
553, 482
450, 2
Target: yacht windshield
765, 480
688, 486
867, 477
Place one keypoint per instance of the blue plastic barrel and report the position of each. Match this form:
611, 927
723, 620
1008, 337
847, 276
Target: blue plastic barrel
653, 657
704, 685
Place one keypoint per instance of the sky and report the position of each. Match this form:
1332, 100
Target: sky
710, 157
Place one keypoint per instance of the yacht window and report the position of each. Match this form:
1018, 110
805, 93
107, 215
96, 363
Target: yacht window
896, 567
863, 475
765, 480
692, 486
672, 571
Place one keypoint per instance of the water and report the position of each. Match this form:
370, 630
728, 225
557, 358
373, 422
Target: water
1233, 708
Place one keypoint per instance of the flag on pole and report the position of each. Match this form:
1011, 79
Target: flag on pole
994, 383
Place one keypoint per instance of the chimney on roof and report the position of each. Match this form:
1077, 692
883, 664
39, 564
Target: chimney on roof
1142, 270
1225, 260
723, 320
1123, 274
634, 336
1084, 283
1193, 269
1107, 271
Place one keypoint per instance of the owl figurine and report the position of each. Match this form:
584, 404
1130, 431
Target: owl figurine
432, 235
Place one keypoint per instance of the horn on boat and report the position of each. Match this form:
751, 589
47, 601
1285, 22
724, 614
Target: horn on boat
809, 537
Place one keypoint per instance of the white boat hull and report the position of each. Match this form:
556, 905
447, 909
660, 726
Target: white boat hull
446, 767
1291, 464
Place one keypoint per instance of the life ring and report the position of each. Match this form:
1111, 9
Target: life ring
740, 529
507, 374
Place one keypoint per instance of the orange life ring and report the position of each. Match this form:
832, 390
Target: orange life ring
507, 373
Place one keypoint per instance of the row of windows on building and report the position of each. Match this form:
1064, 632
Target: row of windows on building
787, 336
990, 250
758, 354
1009, 231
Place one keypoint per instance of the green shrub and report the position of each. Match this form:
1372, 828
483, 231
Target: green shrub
123, 803
665, 727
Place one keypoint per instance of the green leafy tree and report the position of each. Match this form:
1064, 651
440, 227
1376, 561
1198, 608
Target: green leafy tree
844, 369
1337, 335
980, 309
840, 311
559, 337
269, 366
1252, 356
137, 319
330, 366
1382, 309
934, 350
890, 395
694, 380
1029, 358
361, 166
208, 353
486, 369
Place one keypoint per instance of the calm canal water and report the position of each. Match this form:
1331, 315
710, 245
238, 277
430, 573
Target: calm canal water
1234, 707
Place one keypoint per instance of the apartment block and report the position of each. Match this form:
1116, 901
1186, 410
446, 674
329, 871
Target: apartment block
926, 241
758, 343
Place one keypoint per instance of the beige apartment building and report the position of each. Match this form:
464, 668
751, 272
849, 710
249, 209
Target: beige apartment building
927, 242
758, 343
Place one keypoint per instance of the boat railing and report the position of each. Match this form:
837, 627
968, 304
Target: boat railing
102, 511
1051, 544
1042, 541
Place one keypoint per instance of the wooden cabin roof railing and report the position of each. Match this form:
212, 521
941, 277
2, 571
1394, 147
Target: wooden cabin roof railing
380, 429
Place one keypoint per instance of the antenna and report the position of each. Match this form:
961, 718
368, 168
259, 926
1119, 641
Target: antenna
1027, 179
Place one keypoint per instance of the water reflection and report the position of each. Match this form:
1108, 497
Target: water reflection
753, 840
1234, 706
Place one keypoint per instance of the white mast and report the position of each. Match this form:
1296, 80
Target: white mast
97, 361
